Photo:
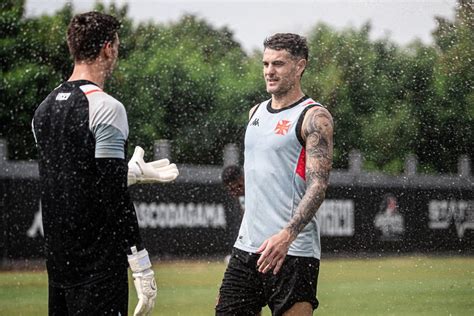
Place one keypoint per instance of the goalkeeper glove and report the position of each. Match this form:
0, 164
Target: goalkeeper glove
140, 171
144, 280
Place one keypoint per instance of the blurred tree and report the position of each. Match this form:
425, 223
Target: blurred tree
187, 82
361, 82
452, 120
34, 60
192, 83
389, 102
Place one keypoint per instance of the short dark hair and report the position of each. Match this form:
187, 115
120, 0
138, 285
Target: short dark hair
294, 44
231, 174
88, 32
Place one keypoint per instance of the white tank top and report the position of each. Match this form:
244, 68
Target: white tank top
275, 178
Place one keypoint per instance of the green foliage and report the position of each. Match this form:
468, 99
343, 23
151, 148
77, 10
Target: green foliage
192, 83
186, 82
34, 59
389, 102
454, 94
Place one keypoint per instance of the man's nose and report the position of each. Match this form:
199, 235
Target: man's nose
270, 70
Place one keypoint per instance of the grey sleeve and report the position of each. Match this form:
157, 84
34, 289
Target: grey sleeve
109, 142
108, 123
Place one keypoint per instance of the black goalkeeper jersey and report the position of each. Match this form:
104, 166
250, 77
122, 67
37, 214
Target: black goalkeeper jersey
89, 220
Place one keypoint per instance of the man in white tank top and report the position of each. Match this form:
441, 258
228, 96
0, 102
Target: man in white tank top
288, 157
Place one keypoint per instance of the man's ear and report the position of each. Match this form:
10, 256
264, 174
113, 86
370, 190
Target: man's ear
108, 49
301, 65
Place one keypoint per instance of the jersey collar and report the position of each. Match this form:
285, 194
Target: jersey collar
272, 110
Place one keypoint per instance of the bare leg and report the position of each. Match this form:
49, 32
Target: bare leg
300, 309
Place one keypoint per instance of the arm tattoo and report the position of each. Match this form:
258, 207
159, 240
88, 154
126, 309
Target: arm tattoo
318, 132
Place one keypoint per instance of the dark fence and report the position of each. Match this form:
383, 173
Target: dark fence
363, 212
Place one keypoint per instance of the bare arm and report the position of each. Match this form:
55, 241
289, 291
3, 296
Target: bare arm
317, 131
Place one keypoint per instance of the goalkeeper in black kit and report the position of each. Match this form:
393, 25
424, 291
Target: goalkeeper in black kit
90, 225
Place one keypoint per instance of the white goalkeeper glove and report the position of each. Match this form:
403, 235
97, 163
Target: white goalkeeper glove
140, 171
144, 280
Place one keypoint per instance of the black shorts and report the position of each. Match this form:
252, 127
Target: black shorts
105, 296
244, 290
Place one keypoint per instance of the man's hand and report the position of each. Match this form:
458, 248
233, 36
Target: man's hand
144, 280
152, 172
274, 250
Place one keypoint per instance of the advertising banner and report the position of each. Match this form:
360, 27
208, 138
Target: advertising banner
196, 219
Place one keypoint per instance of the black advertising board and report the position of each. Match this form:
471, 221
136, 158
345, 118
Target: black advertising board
186, 219
398, 220
21, 219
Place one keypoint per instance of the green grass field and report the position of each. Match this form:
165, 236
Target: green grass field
405, 285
